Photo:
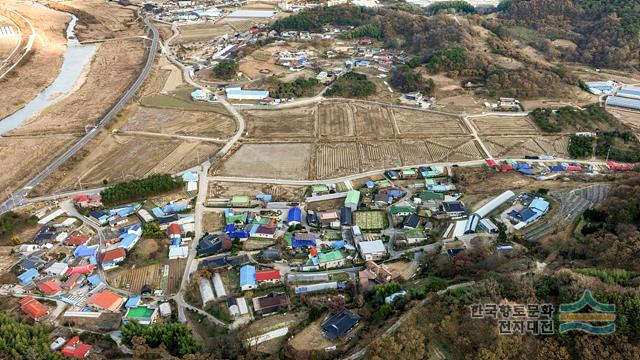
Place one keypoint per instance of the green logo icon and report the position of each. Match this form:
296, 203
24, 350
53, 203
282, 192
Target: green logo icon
603, 315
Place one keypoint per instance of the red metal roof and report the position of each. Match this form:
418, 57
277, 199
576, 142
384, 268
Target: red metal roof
49, 287
76, 239
174, 229
33, 308
114, 254
619, 167
505, 167
491, 163
86, 269
266, 275
573, 168
106, 300
71, 283
76, 349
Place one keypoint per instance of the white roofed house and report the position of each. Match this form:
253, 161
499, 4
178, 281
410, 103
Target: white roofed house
372, 250
57, 269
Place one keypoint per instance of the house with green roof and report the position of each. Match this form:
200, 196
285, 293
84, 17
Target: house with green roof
144, 315
352, 200
331, 259
409, 174
231, 218
401, 210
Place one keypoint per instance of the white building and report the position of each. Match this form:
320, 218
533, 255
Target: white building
57, 269
218, 286
206, 291
238, 94
372, 250
178, 252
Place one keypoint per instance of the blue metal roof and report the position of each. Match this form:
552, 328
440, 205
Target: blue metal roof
539, 204
302, 243
263, 93
629, 91
173, 208
623, 102
28, 276
132, 302
94, 280
190, 176
127, 240
84, 250
157, 212
247, 275
295, 215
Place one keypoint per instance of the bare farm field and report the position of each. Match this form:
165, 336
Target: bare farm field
629, 118
153, 275
335, 120
379, 155
119, 158
503, 125
336, 159
372, 121
181, 122
454, 149
189, 33
414, 152
413, 123
518, 147
289, 123
279, 192
287, 161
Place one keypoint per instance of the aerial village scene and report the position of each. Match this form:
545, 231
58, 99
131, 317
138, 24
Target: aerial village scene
285, 181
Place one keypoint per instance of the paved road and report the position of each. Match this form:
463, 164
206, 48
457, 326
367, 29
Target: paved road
19, 197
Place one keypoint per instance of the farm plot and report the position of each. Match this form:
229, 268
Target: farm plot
282, 161
281, 123
552, 145
520, 146
336, 159
191, 123
370, 220
379, 155
454, 149
134, 279
414, 152
413, 123
195, 32
279, 192
335, 120
372, 121
503, 125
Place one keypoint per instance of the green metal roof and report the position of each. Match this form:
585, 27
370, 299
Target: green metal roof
330, 256
319, 188
231, 219
353, 197
384, 183
401, 209
287, 238
408, 172
239, 199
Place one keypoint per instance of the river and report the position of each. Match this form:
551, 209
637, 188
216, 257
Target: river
76, 58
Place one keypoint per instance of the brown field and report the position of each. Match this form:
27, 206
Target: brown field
196, 32
413, 123
289, 123
629, 118
379, 155
311, 338
335, 119
372, 121
503, 125
8, 42
414, 152
118, 158
212, 221
288, 161
520, 146
134, 279
337, 159
279, 192
181, 122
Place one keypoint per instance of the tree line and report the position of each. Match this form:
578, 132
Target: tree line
350, 85
140, 189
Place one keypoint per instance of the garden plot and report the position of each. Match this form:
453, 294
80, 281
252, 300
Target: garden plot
370, 220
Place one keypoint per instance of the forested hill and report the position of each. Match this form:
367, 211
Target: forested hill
606, 32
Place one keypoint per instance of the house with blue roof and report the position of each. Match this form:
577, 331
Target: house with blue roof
295, 216
28, 276
174, 208
94, 280
264, 197
248, 277
157, 212
132, 302
84, 251
190, 176
128, 241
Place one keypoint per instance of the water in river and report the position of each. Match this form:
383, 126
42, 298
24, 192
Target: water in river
76, 57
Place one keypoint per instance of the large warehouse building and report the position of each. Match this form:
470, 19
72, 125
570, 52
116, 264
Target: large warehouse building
238, 94
627, 97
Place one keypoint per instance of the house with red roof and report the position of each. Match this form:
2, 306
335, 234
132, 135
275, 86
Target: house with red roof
112, 258
106, 300
49, 288
76, 349
33, 308
174, 231
85, 201
76, 239
84, 269
73, 280
268, 276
